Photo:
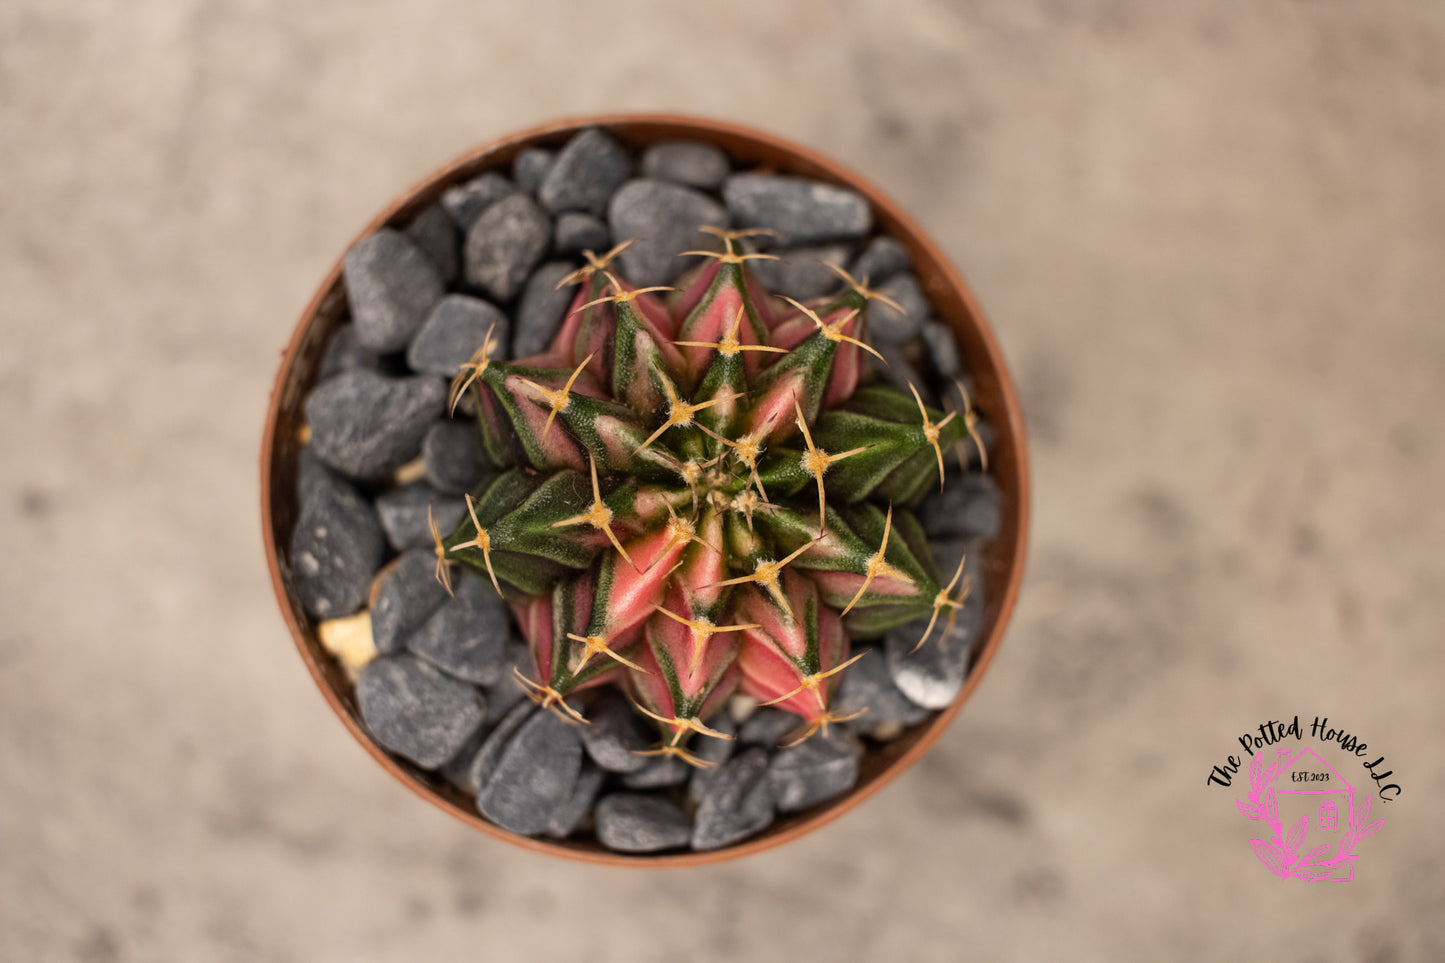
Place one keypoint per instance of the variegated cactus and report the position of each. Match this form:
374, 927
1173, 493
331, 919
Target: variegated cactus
699, 492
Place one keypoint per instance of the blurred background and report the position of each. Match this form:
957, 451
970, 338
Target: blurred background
1210, 237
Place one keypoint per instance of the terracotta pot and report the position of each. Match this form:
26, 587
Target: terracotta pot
995, 399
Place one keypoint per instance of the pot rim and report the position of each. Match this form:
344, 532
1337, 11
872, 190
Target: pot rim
942, 282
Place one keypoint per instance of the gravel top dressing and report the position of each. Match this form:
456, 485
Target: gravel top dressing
648, 567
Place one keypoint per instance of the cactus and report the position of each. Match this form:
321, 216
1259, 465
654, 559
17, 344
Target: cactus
698, 491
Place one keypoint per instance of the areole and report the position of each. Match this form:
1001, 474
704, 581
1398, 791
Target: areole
994, 395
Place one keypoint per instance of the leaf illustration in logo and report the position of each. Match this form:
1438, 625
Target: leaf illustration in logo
1316, 853
1271, 807
1256, 772
1248, 811
1268, 854
1314, 873
1371, 829
1363, 813
1296, 835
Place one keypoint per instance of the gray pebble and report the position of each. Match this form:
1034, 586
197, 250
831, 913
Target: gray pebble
801, 273
968, 507
942, 349
313, 478
713, 750
585, 173
880, 260
506, 693
933, 675
767, 726
738, 803
457, 768
413, 710
867, 685
539, 313
403, 514
816, 770
577, 232
663, 219
454, 331
343, 353
452, 452
464, 203
801, 210
658, 773
366, 424
616, 734
435, 233
895, 327
569, 816
630, 822
505, 244
686, 162
534, 775
898, 371
530, 168
484, 763
391, 286
336, 546
466, 635
406, 594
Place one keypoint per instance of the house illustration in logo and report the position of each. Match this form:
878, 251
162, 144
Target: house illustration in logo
1313, 813
1318, 801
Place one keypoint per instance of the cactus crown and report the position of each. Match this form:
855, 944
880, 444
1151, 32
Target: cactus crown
697, 493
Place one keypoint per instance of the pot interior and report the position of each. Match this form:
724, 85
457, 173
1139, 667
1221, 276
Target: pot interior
994, 398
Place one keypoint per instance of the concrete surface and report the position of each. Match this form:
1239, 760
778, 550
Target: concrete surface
1210, 235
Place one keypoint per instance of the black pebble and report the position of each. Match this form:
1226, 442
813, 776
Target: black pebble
466, 635
415, 711
435, 233
686, 162
366, 424
663, 220
738, 803
577, 232
405, 596
534, 777
464, 203
880, 260
391, 286
530, 168
630, 822
454, 331
504, 244
802, 211
403, 513
587, 170
336, 546
452, 452
540, 311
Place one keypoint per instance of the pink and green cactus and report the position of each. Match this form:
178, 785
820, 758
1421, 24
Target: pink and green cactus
700, 491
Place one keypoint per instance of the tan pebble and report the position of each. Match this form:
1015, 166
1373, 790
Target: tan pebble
887, 731
414, 470
740, 707
349, 640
